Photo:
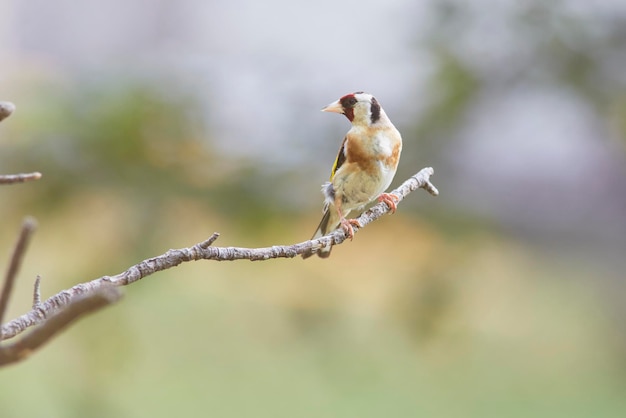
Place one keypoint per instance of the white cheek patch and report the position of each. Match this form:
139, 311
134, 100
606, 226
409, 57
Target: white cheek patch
362, 110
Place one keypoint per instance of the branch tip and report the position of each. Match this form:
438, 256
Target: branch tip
6, 108
206, 244
19, 178
430, 188
29, 223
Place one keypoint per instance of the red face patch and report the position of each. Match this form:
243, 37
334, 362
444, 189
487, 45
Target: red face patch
347, 103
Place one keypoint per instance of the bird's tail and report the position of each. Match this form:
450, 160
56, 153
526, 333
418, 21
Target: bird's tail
327, 224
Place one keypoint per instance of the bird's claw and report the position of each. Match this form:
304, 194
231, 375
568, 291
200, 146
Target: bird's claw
346, 224
390, 200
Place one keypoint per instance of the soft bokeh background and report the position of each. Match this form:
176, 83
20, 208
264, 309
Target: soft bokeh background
156, 123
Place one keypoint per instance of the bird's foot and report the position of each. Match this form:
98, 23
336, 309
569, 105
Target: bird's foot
346, 224
390, 200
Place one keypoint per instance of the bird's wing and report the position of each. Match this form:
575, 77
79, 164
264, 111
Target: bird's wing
341, 158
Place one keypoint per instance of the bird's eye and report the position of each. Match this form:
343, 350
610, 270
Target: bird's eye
348, 101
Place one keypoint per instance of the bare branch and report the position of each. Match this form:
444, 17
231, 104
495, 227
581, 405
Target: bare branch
28, 227
19, 178
79, 307
204, 251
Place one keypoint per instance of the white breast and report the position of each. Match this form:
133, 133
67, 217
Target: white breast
386, 178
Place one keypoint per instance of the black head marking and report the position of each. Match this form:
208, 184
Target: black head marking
375, 110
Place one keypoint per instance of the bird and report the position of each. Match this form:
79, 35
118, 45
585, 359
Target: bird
364, 168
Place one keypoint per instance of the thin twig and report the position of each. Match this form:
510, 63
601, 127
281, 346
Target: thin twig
37, 292
207, 243
28, 227
19, 178
204, 251
79, 307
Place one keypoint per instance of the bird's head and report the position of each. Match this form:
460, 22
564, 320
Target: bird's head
360, 108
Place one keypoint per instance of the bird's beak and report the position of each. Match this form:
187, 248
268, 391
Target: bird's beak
335, 107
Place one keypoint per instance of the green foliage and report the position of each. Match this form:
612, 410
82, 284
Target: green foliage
141, 147
126, 135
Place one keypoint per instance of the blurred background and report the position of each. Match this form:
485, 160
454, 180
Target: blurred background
156, 123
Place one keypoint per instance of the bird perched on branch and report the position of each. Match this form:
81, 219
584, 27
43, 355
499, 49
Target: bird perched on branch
364, 168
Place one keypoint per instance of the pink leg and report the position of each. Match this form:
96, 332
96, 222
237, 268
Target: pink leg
390, 200
346, 224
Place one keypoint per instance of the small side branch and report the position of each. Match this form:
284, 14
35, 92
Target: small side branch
28, 227
37, 292
204, 251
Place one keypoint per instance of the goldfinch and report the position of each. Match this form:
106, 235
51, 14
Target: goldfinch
364, 168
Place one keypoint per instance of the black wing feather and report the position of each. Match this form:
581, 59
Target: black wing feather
341, 158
